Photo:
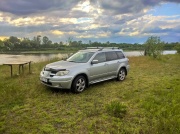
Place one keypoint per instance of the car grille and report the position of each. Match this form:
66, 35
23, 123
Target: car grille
53, 73
48, 83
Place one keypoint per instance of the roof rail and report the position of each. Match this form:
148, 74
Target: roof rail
101, 48
111, 48
94, 47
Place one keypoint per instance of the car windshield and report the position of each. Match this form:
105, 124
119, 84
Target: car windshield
80, 57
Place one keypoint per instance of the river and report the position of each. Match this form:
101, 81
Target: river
4, 58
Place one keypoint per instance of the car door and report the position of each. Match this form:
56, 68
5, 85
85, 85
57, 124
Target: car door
113, 63
98, 71
122, 60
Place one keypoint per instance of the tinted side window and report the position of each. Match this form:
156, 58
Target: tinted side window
100, 57
111, 56
120, 54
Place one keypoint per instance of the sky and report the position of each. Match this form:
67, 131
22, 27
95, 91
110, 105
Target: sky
117, 21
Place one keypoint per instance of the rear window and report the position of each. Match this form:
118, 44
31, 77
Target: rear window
111, 56
120, 54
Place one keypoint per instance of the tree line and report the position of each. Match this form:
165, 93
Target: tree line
44, 43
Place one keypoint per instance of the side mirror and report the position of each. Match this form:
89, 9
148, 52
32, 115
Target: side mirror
94, 61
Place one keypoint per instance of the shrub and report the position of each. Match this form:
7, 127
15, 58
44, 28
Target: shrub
153, 47
116, 109
177, 47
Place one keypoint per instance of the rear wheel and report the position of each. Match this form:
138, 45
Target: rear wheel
79, 84
121, 74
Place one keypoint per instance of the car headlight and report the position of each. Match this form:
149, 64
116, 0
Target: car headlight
62, 73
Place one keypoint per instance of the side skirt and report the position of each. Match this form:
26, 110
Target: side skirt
105, 79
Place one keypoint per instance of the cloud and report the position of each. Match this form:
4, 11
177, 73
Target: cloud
26, 7
156, 30
127, 6
85, 19
176, 1
123, 7
163, 32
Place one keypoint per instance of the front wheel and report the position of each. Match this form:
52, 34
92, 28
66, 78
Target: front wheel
121, 74
79, 84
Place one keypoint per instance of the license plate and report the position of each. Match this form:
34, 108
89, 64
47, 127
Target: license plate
44, 79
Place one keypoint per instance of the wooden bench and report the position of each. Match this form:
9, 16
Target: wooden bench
20, 64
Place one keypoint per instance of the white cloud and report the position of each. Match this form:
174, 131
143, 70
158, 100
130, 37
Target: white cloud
87, 19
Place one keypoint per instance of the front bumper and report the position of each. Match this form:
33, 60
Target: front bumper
128, 67
63, 82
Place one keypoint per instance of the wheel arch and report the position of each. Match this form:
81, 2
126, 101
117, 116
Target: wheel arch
123, 67
82, 74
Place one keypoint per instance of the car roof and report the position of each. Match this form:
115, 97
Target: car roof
101, 49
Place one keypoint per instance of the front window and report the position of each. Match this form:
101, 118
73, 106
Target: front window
80, 57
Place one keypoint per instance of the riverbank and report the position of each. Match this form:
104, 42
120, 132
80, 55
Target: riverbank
39, 52
68, 51
39, 57
148, 99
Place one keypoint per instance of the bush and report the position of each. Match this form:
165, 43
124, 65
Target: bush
116, 109
153, 47
177, 47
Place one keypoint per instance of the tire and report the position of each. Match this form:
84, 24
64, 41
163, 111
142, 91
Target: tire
79, 84
121, 74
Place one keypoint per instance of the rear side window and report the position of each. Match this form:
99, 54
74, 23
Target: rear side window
111, 56
120, 54
100, 57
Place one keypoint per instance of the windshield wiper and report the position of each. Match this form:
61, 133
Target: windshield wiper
71, 61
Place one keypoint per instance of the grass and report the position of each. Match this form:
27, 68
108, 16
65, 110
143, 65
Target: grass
116, 109
148, 100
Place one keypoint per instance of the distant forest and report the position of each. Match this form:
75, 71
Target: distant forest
44, 43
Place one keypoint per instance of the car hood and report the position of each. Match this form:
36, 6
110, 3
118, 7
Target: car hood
62, 65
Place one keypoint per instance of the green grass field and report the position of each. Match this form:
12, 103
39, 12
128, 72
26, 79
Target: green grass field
147, 102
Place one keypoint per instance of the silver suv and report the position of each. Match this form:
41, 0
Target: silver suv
86, 67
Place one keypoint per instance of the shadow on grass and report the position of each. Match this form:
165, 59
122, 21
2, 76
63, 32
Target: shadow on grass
102, 83
90, 87
58, 91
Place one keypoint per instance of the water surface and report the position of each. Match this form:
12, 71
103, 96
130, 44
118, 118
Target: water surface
8, 58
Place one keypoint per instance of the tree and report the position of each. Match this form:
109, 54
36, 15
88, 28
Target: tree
14, 39
74, 43
79, 42
46, 41
1, 45
8, 45
13, 42
36, 42
107, 43
177, 47
69, 41
61, 44
26, 43
90, 42
153, 47
56, 45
